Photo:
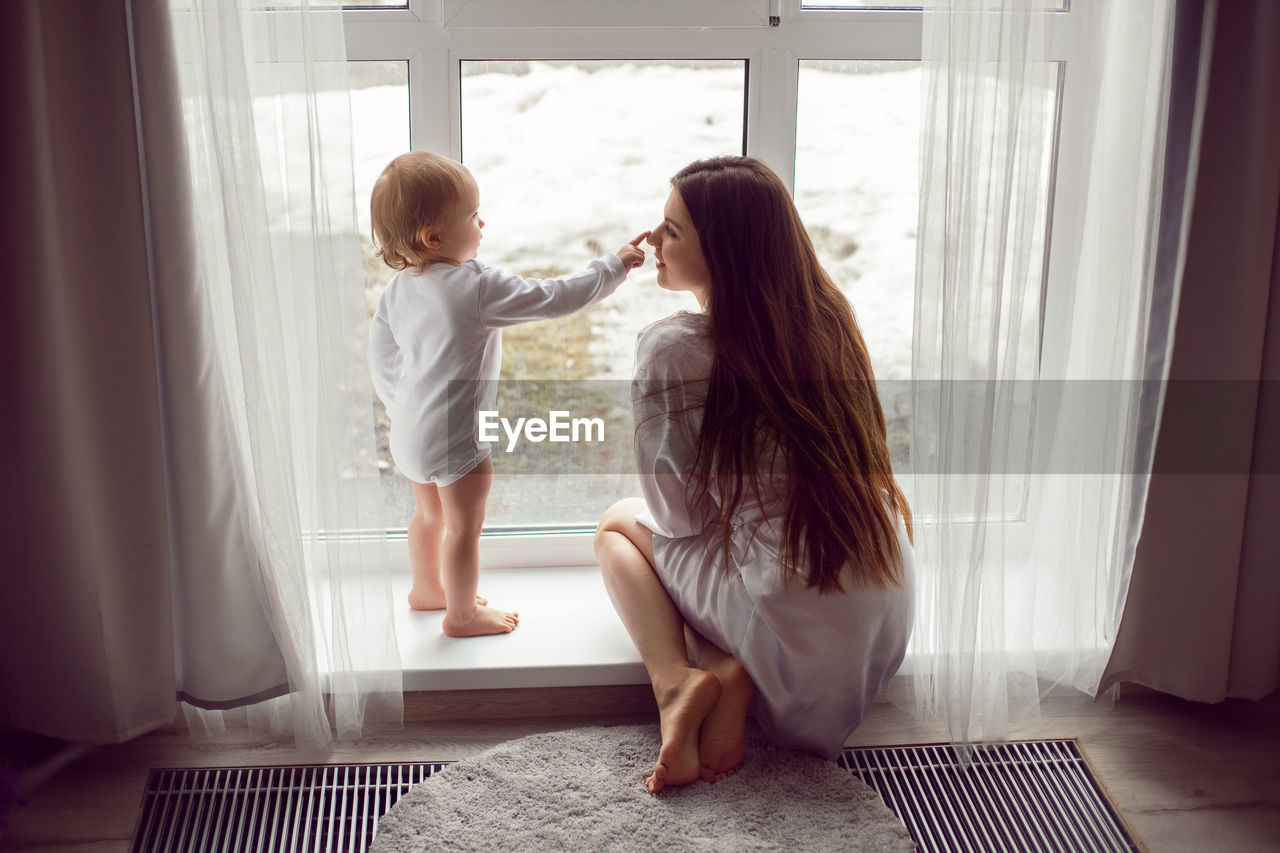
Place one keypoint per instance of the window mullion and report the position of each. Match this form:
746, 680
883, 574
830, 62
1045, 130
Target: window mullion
434, 118
427, 11
771, 113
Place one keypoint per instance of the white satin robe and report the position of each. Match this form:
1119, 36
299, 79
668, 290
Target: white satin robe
818, 661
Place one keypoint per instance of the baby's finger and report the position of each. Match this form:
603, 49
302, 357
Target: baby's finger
636, 242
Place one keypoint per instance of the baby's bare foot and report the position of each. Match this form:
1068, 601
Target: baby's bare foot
483, 620
682, 707
429, 599
722, 744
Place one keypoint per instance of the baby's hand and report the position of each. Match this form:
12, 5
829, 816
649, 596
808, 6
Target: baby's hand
631, 255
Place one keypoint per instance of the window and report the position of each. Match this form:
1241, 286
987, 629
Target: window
856, 190
574, 114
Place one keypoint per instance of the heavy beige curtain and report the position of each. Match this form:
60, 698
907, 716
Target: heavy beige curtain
185, 422
1202, 620
105, 493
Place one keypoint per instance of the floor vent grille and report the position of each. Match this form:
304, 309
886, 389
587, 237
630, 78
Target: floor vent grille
327, 808
1024, 795
1028, 795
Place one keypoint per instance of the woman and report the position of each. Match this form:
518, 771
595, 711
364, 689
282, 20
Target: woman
769, 567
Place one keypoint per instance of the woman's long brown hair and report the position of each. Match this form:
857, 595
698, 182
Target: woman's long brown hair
789, 363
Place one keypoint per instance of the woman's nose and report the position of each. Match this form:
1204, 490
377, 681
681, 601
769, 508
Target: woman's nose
654, 238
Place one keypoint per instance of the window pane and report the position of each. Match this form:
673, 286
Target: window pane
857, 190
380, 131
377, 4
573, 160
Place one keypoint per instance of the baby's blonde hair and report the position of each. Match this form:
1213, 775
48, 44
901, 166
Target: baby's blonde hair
416, 190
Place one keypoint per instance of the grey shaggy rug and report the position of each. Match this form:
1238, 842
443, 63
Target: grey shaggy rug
583, 789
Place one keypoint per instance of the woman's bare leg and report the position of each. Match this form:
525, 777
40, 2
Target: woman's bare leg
685, 695
722, 741
463, 505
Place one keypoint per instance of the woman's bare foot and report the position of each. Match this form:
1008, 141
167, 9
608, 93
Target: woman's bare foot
431, 599
682, 705
722, 743
484, 620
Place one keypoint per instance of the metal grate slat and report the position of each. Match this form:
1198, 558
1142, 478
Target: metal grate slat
1032, 795
210, 829
1009, 805
1074, 815
324, 838
994, 815
972, 807
934, 824
907, 802
948, 793
1029, 795
1041, 798
192, 804
919, 782
1101, 820
1030, 803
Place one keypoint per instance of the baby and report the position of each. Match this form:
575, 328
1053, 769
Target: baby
439, 320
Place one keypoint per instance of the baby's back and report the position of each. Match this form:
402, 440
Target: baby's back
450, 361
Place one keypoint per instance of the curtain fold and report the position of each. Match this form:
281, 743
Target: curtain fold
193, 465
1200, 621
86, 649
1043, 297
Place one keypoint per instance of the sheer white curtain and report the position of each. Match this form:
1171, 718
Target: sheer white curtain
1037, 395
267, 117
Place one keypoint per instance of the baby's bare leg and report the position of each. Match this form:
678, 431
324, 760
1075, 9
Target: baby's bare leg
463, 505
426, 534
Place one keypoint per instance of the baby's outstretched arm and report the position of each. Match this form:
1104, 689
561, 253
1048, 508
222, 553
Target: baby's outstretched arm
631, 255
506, 299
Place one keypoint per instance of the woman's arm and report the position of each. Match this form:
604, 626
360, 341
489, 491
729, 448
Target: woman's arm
666, 398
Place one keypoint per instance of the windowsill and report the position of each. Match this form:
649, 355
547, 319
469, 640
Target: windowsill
569, 636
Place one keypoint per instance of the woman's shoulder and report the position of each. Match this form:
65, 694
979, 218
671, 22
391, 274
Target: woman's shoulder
678, 341
683, 328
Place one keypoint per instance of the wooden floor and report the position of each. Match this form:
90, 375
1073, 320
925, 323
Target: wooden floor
1187, 777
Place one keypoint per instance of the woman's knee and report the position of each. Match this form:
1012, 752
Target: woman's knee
619, 518
611, 518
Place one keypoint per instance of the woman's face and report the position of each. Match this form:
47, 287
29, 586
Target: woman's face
681, 265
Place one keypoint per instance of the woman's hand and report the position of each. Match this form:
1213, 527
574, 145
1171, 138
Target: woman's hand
631, 255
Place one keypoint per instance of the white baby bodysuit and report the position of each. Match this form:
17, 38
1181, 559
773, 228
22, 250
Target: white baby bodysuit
435, 348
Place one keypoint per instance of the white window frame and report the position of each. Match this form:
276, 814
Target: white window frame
435, 36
